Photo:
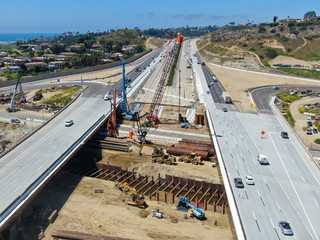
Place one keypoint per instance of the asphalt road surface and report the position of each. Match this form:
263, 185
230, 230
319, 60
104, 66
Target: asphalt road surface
262, 96
287, 189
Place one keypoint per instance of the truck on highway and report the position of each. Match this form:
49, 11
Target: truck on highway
226, 97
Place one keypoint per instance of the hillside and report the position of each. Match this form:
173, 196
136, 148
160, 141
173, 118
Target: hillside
256, 47
124, 36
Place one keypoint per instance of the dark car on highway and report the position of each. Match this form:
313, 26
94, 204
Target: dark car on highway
238, 183
225, 109
284, 135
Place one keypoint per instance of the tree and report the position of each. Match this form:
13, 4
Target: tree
310, 14
275, 18
232, 23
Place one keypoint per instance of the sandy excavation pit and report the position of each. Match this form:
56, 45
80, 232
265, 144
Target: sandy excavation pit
108, 214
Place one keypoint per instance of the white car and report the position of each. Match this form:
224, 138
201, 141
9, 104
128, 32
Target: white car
263, 160
249, 180
69, 123
106, 97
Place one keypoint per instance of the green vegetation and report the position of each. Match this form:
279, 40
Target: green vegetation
317, 125
173, 67
63, 98
289, 115
302, 72
309, 52
303, 110
286, 97
317, 141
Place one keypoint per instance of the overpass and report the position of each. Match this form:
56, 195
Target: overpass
25, 169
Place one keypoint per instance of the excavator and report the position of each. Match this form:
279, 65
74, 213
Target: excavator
136, 199
191, 158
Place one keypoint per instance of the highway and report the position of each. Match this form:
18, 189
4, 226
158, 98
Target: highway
287, 189
25, 169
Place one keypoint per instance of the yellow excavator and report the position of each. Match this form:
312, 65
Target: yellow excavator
136, 199
191, 158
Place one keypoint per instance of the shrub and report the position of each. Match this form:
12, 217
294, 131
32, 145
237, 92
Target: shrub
271, 53
317, 141
262, 30
290, 24
281, 28
302, 110
273, 30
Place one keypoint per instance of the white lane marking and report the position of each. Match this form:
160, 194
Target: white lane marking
302, 179
294, 189
271, 222
283, 189
315, 201
254, 216
258, 193
278, 205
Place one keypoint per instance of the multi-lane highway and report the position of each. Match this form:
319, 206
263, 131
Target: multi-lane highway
25, 169
287, 189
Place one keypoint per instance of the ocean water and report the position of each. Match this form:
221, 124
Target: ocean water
12, 37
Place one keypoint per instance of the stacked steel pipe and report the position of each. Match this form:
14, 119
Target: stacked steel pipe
203, 149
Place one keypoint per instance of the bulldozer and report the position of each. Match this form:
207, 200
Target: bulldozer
165, 158
191, 158
136, 199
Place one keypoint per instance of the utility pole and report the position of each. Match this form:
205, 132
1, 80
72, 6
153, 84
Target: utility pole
179, 87
81, 84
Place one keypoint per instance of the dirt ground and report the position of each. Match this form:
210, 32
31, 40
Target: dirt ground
291, 60
143, 165
154, 43
108, 214
301, 121
236, 82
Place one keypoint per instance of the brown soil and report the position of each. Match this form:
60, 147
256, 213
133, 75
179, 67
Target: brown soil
292, 60
236, 82
107, 213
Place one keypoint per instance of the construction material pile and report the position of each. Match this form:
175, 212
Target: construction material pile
109, 143
203, 149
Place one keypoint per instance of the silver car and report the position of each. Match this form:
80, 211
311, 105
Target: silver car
285, 228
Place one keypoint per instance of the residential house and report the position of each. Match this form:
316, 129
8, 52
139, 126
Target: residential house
47, 56
45, 46
3, 54
12, 69
34, 64
129, 49
74, 47
117, 55
62, 58
37, 59
69, 54
96, 47
55, 64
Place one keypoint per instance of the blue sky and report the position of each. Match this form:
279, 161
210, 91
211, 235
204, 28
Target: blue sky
82, 15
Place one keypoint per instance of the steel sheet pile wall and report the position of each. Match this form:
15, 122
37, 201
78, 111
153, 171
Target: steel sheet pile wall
169, 189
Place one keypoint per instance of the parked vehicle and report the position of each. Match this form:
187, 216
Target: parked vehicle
315, 131
226, 97
275, 88
238, 183
309, 122
225, 109
309, 131
285, 228
202, 63
263, 160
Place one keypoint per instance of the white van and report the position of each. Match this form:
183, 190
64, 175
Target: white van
263, 160
106, 97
